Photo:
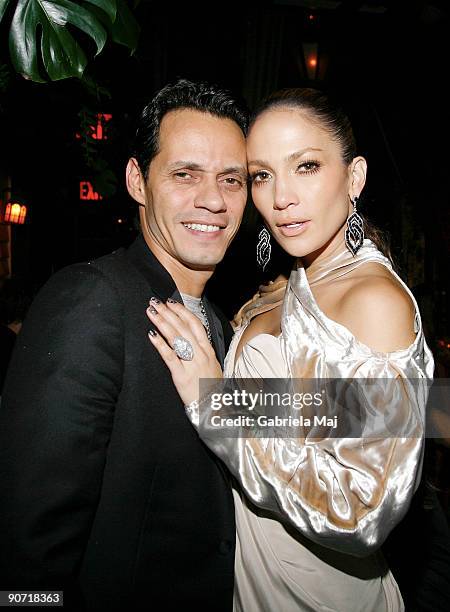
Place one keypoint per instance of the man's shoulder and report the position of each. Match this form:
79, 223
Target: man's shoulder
95, 280
113, 261
113, 266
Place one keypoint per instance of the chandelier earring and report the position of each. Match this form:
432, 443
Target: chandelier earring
354, 232
263, 248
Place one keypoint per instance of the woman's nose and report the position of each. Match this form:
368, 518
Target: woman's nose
284, 195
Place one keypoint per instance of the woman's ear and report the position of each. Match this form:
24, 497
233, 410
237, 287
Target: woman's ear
358, 174
135, 181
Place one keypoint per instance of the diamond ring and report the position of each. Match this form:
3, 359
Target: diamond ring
183, 348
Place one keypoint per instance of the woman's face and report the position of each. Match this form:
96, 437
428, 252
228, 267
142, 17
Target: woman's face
300, 183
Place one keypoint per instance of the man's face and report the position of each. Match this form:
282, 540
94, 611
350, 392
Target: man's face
196, 189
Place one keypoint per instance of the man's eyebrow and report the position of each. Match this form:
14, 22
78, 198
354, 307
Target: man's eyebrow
289, 158
189, 165
235, 170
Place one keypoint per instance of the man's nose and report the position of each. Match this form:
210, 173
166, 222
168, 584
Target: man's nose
210, 197
284, 194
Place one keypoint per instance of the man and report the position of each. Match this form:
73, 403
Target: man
107, 492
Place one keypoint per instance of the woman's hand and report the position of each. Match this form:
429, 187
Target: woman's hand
173, 320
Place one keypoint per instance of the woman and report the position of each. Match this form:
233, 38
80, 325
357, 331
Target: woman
311, 512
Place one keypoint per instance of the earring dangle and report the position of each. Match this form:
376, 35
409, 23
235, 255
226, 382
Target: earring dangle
263, 248
354, 233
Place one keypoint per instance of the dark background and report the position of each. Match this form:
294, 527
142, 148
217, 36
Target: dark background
386, 61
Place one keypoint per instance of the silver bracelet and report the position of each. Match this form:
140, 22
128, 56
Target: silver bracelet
192, 411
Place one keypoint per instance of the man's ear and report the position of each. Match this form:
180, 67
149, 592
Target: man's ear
135, 182
358, 173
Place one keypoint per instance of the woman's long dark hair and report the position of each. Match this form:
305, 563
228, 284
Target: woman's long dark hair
334, 120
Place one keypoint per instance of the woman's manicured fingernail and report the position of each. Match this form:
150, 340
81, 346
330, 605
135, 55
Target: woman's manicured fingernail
152, 332
171, 301
152, 310
155, 300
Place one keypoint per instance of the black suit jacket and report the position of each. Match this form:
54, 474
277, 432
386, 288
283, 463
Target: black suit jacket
106, 489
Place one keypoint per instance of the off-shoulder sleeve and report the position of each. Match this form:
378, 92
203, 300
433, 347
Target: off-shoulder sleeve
346, 493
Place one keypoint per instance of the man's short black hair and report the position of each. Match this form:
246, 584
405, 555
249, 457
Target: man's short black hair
183, 94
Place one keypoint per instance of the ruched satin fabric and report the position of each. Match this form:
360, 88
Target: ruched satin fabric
321, 499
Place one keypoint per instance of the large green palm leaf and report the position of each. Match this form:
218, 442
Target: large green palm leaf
40, 39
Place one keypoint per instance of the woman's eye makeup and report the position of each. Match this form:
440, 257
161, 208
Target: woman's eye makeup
256, 178
309, 166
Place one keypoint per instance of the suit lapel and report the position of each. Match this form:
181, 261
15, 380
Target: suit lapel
157, 277
163, 287
216, 332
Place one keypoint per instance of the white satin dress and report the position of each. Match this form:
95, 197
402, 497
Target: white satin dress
312, 514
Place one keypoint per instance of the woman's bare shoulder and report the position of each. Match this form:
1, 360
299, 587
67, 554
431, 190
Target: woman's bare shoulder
377, 309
